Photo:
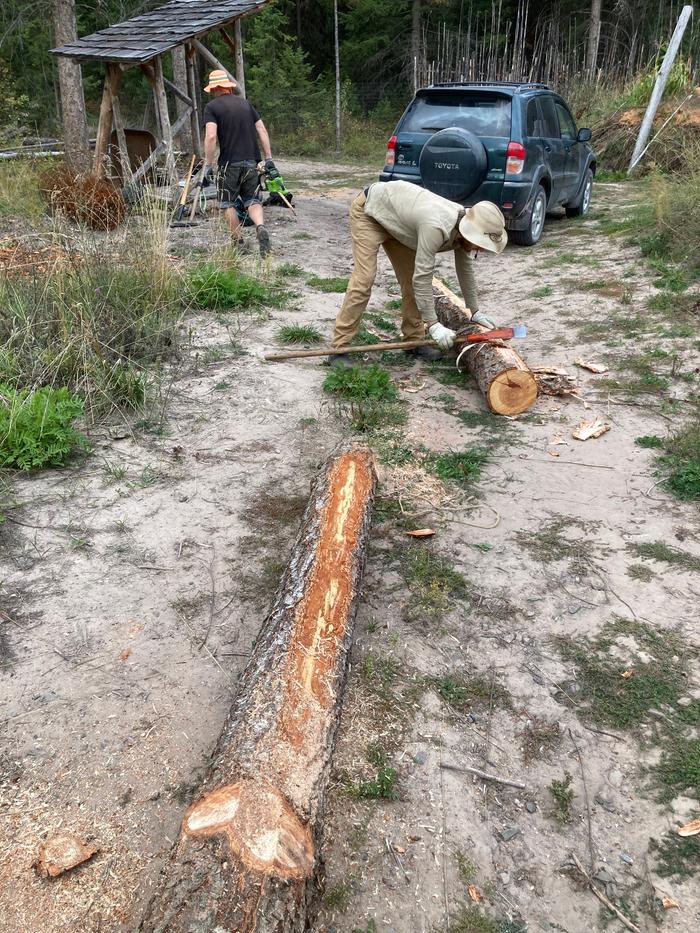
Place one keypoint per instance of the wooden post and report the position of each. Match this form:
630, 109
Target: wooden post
165, 128
104, 128
75, 130
180, 83
238, 42
659, 86
247, 853
337, 75
115, 79
193, 92
205, 53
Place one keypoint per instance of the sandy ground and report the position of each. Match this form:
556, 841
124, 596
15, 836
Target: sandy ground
133, 586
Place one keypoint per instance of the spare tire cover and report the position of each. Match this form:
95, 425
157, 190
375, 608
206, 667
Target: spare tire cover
453, 163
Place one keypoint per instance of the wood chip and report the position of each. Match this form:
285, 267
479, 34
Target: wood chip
60, 853
553, 453
627, 674
421, 533
592, 367
690, 829
585, 430
668, 902
475, 894
557, 439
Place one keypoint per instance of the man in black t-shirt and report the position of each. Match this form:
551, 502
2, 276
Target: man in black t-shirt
232, 123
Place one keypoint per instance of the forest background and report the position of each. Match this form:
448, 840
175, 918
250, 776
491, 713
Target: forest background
602, 57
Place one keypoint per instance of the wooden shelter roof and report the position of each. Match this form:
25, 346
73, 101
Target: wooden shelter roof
141, 38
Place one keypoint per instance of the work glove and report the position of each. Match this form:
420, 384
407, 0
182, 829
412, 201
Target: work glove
478, 317
443, 336
271, 169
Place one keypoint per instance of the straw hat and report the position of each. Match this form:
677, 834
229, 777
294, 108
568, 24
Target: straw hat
219, 78
484, 226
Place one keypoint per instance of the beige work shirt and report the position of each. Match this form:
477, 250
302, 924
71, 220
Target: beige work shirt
426, 223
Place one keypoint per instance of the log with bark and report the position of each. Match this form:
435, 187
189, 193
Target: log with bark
246, 854
502, 376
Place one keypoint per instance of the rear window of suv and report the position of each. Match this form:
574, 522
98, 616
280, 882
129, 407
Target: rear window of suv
483, 114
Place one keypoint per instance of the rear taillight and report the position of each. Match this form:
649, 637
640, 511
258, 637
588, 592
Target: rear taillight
515, 158
391, 151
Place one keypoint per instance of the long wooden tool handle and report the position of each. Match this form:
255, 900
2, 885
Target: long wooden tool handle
200, 179
363, 348
188, 182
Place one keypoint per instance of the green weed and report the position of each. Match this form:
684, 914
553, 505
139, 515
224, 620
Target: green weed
656, 674
464, 693
466, 868
550, 544
649, 441
432, 579
361, 382
681, 462
299, 333
459, 467
383, 786
338, 284
217, 289
539, 738
544, 291
468, 918
678, 771
337, 897
563, 798
290, 270
640, 572
36, 427
663, 553
677, 857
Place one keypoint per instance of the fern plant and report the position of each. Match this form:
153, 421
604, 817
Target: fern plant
36, 427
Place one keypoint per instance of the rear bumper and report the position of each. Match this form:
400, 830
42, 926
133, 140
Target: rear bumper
516, 193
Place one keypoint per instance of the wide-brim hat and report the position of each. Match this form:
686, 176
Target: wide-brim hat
219, 78
485, 226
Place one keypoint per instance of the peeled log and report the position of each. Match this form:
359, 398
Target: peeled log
247, 849
502, 376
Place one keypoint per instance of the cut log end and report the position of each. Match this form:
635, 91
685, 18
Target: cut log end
261, 827
512, 392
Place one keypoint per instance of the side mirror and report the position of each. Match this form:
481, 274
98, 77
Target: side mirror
584, 135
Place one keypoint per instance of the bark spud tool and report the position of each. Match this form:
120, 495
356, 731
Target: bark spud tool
518, 331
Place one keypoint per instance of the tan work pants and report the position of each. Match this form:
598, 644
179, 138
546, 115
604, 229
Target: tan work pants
367, 236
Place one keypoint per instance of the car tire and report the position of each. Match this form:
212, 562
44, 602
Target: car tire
580, 208
535, 221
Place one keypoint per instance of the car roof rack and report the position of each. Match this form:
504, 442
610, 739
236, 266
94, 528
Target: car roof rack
518, 85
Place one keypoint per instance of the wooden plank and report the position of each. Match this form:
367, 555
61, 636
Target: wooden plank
160, 149
205, 53
166, 129
193, 92
115, 73
238, 42
104, 126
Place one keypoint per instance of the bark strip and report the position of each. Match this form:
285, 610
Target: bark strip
246, 852
503, 377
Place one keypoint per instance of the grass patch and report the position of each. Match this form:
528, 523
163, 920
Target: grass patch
299, 333
432, 579
549, 544
217, 289
338, 284
458, 467
464, 693
337, 897
290, 270
544, 291
678, 772
662, 553
649, 442
36, 427
562, 797
640, 572
383, 323
680, 464
538, 739
360, 383
19, 188
369, 398
383, 785
466, 869
656, 669
676, 856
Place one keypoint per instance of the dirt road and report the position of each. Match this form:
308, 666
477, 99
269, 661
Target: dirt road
133, 587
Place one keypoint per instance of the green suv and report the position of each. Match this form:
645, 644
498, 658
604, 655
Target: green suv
514, 144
